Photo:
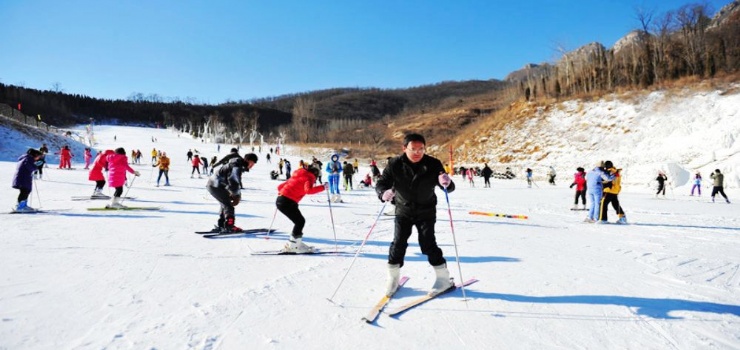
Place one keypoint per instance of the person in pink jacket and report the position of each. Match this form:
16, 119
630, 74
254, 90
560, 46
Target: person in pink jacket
96, 173
117, 168
88, 157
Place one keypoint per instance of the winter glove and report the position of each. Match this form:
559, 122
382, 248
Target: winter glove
444, 180
326, 186
388, 195
38, 163
573, 184
137, 173
235, 199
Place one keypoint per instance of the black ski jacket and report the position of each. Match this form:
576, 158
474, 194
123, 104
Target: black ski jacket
414, 185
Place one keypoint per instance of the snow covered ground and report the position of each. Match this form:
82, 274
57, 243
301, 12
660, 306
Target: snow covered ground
79, 279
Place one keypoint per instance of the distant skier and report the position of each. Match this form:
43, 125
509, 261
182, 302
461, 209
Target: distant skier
65, 158
611, 194
595, 190
662, 178
164, 168
290, 194
42, 161
718, 184
486, 172
579, 181
551, 176
334, 169
697, 183
87, 156
23, 178
529, 177
196, 166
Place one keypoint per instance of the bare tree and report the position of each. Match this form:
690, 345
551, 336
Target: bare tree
240, 124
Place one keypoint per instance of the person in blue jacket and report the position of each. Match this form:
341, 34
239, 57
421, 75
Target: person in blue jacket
595, 190
23, 178
334, 168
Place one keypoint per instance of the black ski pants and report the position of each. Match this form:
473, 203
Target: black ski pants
289, 207
720, 190
582, 195
224, 198
427, 240
605, 201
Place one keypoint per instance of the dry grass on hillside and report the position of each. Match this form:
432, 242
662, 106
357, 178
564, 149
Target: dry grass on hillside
476, 121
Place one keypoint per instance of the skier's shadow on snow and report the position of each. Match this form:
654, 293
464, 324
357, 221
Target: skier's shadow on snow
688, 226
650, 307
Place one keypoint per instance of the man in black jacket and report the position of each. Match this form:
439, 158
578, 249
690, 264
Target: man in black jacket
409, 180
225, 186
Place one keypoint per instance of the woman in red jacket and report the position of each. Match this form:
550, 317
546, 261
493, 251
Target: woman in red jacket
290, 193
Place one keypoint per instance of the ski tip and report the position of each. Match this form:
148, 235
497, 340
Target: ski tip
366, 320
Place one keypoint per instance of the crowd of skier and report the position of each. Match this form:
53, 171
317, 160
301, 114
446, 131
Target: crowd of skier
407, 183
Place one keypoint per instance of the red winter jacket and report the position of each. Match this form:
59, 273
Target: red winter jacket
101, 162
579, 179
300, 184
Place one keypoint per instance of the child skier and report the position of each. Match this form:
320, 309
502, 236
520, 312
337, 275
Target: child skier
290, 193
697, 183
23, 179
334, 168
87, 156
96, 173
579, 180
117, 168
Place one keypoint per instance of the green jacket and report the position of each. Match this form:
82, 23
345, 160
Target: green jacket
719, 179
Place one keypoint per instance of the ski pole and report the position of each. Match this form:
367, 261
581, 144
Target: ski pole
272, 222
358, 252
331, 214
454, 242
128, 189
151, 173
38, 194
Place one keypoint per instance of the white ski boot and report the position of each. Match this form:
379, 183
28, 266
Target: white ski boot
443, 281
115, 203
394, 273
296, 245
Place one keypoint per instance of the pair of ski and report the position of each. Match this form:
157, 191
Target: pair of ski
261, 231
375, 311
36, 211
123, 208
223, 233
92, 198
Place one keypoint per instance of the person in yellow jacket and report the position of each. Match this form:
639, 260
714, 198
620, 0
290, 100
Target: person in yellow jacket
611, 194
154, 155
164, 169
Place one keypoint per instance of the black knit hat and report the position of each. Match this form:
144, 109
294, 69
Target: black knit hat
250, 156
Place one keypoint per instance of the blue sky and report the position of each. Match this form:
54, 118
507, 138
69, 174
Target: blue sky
211, 51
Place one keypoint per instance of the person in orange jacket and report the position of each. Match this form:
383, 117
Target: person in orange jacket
290, 193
